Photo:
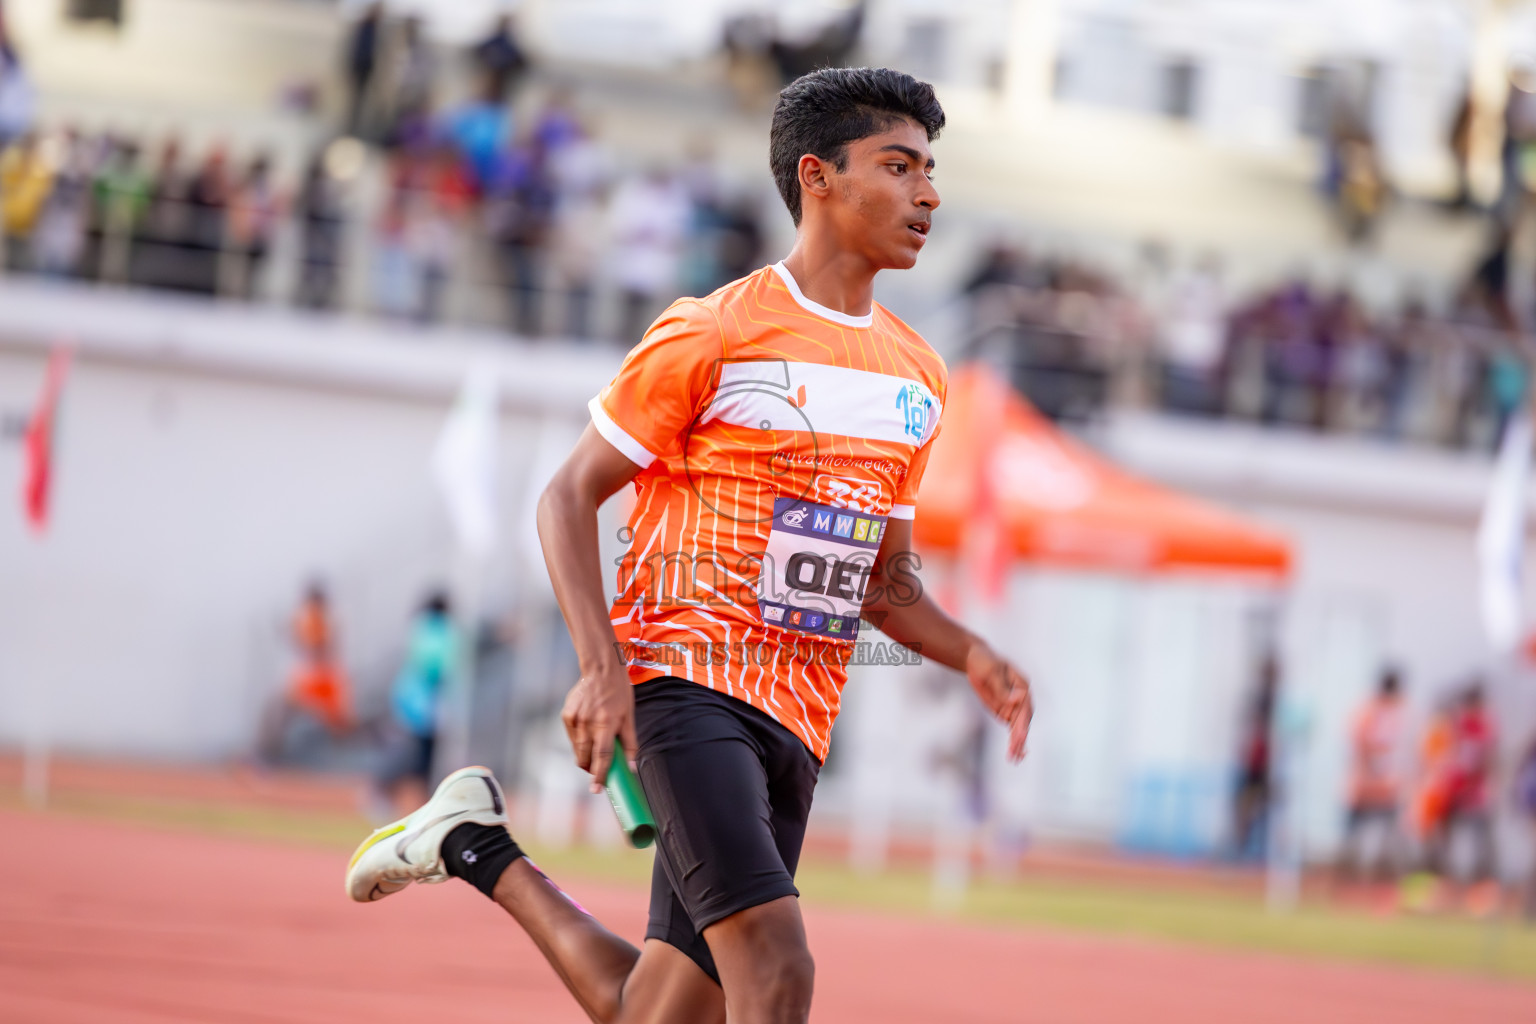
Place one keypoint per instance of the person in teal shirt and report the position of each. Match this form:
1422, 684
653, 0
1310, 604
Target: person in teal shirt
416, 698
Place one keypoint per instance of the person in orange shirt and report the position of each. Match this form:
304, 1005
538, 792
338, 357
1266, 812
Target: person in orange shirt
1375, 790
1431, 802
1431, 798
318, 686
776, 434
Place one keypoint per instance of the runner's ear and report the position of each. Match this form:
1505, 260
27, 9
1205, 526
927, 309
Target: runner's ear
814, 177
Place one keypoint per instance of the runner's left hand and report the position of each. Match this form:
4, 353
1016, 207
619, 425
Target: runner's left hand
1005, 692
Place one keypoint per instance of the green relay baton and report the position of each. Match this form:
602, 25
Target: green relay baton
628, 801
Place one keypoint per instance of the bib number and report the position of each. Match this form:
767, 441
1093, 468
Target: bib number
817, 568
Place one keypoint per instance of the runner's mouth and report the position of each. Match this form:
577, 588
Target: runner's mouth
919, 228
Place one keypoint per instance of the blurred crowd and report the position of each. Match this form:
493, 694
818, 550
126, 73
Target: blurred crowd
503, 205
1076, 339
514, 203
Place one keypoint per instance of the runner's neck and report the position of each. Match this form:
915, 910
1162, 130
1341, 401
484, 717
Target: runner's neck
839, 288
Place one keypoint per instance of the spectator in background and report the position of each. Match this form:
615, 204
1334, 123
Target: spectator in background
740, 247
396, 286
1359, 380
435, 212
208, 195
991, 288
415, 699
579, 172
26, 178
362, 59
322, 217
649, 222
1403, 364
409, 83
58, 241
1362, 190
253, 211
122, 200
18, 102
1508, 379
558, 124
318, 687
1375, 791
1468, 778
500, 60
698, 263
1294, 358
828, 47
1255, 781
724, 240
1519, 139
479, 129
1442, 383
519, 217
1194, 329
167, 223
1487, 293
1431, 793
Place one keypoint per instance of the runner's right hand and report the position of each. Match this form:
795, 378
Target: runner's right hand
599, 707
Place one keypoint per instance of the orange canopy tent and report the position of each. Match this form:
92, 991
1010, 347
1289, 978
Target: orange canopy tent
1047, 498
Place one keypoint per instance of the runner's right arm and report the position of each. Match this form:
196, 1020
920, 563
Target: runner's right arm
601, 705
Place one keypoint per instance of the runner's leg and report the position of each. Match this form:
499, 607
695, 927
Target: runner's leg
765, 965
613, 981
732, 790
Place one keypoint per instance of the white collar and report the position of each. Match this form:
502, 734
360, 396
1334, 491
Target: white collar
815, 307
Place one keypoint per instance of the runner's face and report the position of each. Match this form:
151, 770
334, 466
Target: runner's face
885, 199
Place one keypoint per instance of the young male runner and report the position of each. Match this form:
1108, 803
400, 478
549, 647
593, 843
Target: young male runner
776, 433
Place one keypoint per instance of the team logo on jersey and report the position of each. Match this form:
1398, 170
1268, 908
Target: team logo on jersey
916, 407
859, 495
794, 517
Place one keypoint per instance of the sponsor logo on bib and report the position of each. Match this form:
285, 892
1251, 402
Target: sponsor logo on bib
816, 568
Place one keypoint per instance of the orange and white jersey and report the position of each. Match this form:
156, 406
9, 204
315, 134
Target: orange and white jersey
775, 438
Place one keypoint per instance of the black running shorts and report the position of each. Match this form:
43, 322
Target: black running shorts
731, 791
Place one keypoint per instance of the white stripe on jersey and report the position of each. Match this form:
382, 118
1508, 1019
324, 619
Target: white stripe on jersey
776, 394
617, 436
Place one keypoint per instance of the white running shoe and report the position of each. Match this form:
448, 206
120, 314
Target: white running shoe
411, 850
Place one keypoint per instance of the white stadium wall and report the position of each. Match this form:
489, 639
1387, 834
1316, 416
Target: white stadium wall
211, 460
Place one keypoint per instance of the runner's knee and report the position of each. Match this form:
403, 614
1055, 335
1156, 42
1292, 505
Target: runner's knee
765, 965
777, 987
791, 979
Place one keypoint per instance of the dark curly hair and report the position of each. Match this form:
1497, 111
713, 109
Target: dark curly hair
822, 112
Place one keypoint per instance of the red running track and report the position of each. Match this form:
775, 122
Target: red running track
106, 923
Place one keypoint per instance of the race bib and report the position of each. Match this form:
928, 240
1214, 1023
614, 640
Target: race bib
817, 568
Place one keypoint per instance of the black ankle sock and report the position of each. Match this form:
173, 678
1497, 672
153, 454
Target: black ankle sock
479, 854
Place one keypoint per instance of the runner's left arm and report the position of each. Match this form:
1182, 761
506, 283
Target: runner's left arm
903, 610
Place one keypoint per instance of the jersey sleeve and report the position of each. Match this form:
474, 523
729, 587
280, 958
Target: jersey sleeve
905, 505
660, 388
